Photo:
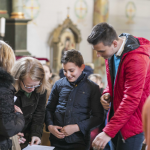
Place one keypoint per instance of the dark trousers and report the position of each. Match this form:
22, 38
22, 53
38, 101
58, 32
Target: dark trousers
63, 145
132, 143
107, 147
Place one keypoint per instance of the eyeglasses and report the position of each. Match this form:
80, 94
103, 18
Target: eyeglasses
30, 87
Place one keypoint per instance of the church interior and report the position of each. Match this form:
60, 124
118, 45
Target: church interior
44, 29
40, 28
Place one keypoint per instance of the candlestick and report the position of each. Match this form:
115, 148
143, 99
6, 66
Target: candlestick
2, 26
17, 9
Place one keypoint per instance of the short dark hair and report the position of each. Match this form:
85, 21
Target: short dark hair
73, 56
104, 33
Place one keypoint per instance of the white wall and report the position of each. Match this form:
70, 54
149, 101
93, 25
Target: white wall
141, 21
51, 13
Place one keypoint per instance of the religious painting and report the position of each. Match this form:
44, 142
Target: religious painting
67, 42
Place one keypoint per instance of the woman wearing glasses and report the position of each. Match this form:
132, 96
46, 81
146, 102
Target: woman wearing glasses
31, 87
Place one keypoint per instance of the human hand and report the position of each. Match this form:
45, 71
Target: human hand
70, 129
55, 131
105, 101
20, 138
35, 140
17, 109
144, 142
100, 141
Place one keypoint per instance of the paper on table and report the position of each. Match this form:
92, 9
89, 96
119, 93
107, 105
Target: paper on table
38, 147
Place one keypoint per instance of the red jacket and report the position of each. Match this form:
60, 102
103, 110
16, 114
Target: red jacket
131, 87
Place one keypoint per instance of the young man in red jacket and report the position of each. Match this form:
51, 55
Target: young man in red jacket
127, 61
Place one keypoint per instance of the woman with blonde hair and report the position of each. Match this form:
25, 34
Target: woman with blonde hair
31, 87
11, 117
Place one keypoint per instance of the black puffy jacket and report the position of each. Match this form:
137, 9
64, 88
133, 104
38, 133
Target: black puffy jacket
33, 109
10, 122
69, 104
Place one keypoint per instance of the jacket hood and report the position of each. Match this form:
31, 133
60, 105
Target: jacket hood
144, 45
133, 43
88, 70
5, 78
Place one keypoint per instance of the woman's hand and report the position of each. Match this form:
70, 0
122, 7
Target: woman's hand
35, 140
70, 129
55, 131
17, 109
20, 138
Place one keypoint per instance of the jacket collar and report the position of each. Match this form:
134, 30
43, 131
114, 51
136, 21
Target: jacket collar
25, 100
131, 43
78, 80
81, 78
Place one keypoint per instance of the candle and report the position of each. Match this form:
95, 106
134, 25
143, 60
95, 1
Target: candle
2, 27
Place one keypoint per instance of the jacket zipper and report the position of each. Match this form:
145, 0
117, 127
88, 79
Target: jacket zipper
123, 140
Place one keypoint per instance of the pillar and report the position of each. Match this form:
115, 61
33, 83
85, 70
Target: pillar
100, 15
17, 9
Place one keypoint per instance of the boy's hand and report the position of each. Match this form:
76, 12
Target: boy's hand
105, 101
55, 131
70, 129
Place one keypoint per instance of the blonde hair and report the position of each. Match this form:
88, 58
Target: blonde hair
7, 56
96, 76
50, 70
28, 66
146, 121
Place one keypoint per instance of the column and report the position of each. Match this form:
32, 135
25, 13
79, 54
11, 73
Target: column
16, 35
100, 15
3, 9
17, 9
100, 11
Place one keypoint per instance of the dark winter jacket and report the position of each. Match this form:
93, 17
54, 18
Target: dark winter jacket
33, 109
71, 104
10, 122
131, 87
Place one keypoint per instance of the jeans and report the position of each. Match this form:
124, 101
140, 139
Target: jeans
107, 147
133, 143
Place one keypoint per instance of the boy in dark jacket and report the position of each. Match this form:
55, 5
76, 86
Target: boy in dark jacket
73, 107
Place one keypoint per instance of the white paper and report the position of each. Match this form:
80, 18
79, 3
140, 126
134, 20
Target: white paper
38, 147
